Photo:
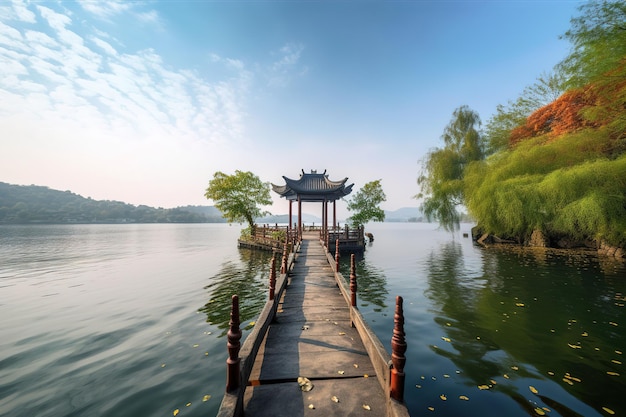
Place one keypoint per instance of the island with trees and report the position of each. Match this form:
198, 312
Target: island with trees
549, 169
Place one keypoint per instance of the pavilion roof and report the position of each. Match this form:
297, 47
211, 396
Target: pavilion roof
313, 187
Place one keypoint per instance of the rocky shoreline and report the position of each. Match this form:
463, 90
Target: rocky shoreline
538, 239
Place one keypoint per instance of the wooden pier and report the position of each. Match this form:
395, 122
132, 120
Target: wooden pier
312, 329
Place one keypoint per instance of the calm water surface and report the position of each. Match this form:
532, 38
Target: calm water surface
129, 320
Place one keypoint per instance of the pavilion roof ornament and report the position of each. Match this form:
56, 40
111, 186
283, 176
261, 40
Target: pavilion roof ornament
313, 187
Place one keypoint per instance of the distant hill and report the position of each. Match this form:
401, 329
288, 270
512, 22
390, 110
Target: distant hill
405, 214
31, 204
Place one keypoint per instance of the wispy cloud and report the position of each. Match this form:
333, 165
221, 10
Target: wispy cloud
135, 90
287, 65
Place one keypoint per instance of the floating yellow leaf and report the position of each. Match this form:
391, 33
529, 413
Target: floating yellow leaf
443, 397
342, 333
176, 412
366, 376
311, 407
585, 334
515, 368
463, 397
196, 345
493, 382
550, 373
366, 407
568, 381
573, 346
341, 372
519, 304
162, 365
619, 352
615, 361
612, 373
334, 399
431, 408
612, 323
533, 389
206, 398
418, 386
506, 376
483, 387
446, 376
608, 410
356, 365
188, 405
540, 411
445, 339
252, 323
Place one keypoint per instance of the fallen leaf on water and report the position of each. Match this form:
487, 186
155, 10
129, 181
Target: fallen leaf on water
612, 373
463, 397
418, 386
615, 361
493, 382
619, 352
515, 368
206, 398
196, 345
366, 407
585, 334
483, 387
162, 365
540, 411
311, 407
188, 405
519, 304
252, 323
568, 381
574, 346
342, 333
334, 399
431, 408
443, 397
176, 412
533, 389
341, 372
446, 376
366, 376
608, 410
612, 323
506, 376
445, 339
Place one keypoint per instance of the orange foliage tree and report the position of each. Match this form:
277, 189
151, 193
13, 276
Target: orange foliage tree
561, 116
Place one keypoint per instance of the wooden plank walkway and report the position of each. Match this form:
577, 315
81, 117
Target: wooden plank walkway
312, 337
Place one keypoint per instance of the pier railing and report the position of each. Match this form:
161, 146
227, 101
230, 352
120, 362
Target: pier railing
241, 358
389, 368
268, 237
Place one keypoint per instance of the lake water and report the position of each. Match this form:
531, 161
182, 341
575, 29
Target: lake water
129, 320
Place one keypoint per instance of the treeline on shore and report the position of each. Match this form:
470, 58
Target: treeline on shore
32, 204
549, 169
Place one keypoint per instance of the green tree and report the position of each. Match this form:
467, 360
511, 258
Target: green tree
365, 204
239, 196
598, 38
547, 88
441, 180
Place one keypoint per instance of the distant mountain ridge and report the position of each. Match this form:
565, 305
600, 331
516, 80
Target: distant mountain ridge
33, 204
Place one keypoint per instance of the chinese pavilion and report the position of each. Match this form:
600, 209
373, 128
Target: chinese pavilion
316, 188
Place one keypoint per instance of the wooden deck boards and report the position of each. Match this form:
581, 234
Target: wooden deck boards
312, 337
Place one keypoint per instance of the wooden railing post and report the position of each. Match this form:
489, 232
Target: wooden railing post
352, 281
272, 276
337, 255
233, 336
398, 348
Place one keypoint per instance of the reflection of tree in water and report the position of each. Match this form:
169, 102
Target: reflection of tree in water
249, 279
528, 318
371, 281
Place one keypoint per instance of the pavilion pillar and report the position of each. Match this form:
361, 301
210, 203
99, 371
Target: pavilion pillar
299, 217
290, 225
334, 215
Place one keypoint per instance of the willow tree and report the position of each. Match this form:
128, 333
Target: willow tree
441, 180
239, 196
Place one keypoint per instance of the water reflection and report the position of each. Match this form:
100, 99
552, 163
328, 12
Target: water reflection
371, 282
248, 278
530, 314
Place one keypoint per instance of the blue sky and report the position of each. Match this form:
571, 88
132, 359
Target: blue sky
142, 101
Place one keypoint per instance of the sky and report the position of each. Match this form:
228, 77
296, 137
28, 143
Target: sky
143, 101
